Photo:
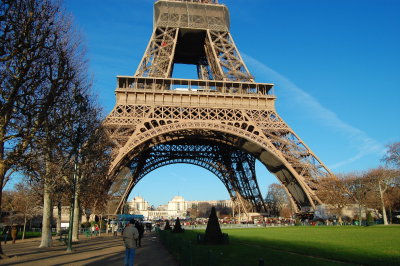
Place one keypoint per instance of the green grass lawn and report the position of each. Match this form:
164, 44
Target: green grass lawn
375, 245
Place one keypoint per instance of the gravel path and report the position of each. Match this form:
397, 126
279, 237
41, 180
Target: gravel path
101, 250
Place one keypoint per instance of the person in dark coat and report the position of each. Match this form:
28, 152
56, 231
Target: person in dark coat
6, 232
129, 235
139, 226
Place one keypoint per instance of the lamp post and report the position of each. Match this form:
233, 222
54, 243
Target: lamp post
80, 100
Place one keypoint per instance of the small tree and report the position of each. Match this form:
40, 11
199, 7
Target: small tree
370, 219
177, 227
276, 199
167, 226
26, 202
213, 234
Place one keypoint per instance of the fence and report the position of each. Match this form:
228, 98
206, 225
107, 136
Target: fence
188, 253
234, 226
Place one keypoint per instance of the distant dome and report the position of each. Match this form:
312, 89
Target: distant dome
138, 198
177, 198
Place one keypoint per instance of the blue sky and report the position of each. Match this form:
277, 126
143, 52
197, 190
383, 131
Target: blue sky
335, 65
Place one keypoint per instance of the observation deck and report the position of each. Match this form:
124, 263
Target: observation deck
202, 15
133, 90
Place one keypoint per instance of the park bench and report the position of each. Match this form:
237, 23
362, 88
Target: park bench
63, 236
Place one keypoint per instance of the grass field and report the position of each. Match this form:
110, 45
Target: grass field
375, 245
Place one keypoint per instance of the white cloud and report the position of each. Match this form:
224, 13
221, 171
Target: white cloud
365, 144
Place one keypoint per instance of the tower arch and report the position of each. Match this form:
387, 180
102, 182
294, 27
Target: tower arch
224, 135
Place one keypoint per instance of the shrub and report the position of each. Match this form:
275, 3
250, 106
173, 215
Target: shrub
214, 234
167, 226
370, 219
177, 227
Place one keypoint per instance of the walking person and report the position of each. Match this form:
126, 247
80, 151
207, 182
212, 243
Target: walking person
115, 229
97, 229
92, 230
139, 226
6, 232
14, 231
129, 235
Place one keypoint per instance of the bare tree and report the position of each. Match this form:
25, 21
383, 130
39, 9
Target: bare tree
382, 178
276, 199
334, 192
393, 197
223, 210
192, 212
36, 57
392, 157
67, 138
8, 208
24, 202
42, 71
204, 209
361, 189
95, 158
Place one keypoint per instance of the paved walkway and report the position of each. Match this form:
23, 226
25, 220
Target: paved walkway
102, 250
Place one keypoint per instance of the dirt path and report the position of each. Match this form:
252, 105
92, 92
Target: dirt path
102, 250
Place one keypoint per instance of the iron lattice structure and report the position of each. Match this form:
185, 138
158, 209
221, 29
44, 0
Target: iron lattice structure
224, 121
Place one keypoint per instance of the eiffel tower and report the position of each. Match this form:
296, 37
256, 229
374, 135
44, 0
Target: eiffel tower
223, 121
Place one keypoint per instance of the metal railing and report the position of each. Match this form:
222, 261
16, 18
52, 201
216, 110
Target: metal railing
235, 226
193, 85
188, 253
197, 1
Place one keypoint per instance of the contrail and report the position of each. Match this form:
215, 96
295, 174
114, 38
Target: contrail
365, 144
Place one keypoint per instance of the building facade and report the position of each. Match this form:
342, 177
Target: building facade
177, 207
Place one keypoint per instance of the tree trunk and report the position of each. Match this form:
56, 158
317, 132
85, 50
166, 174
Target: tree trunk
385, 222
59, 213
47, 215
360, 214
340, 220
77, 214
2, 176
101, 223
23, 232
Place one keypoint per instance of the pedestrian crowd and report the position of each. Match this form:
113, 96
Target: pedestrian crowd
131, 232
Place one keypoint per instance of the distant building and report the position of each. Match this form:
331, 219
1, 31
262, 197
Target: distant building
216, 203
65, 212
177, 207
177, 204
139, 204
